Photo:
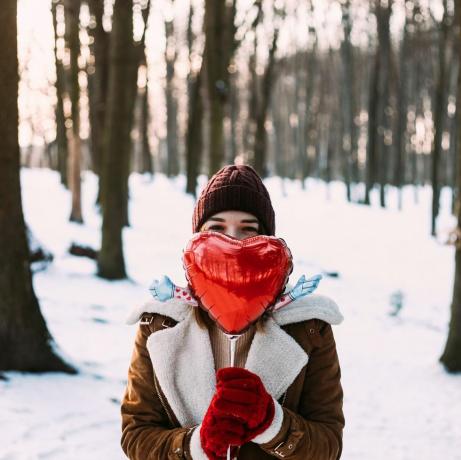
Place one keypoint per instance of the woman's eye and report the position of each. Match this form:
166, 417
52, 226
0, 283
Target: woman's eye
217, 228
250, 229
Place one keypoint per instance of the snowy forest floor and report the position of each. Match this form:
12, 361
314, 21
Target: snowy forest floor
399, 402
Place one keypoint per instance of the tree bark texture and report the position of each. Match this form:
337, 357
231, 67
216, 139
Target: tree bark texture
72, 14
260, 144
171, 101
451, 357
194, 138
440, 110
219, 47
117, 141
99, 80
61, 139
25, 342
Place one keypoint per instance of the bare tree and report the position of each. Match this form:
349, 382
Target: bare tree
311, 107
72, 14
195, 110
402, 101
171, 54
61, 140
146, 156
451, 357
142, 158
137, 51
25, 342
117, 139
194, 137
440, 111
387, 75
267, 81
97, 80
377, 146
348, 111
219, 48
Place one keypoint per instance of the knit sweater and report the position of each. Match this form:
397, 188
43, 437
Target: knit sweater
220, 345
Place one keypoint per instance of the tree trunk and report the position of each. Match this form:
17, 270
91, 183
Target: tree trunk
146, 156
72, 13
61, 139
99, 80
370, 176
249, 127
219, 47
279, 115
25, 342
260, 145
439, 119
347, 100
111, 263
194, 141
311, 106
402, 101
171, 102
235, 121
300, 107
383, 15
137, 53
454, 147
451, 357
453, 125
194, 137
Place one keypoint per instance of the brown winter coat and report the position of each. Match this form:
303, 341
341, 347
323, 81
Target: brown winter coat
313, 419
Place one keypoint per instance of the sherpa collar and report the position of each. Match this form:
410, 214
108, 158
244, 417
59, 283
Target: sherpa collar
183, 362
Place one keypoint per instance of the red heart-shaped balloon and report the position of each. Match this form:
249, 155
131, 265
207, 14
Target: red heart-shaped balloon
236, 281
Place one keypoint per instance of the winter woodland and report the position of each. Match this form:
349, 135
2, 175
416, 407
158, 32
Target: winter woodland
113, 115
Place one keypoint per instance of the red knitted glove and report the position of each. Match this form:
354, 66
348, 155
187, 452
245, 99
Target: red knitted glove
218, 432
241, 394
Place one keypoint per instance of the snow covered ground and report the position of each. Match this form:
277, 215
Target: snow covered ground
399, 402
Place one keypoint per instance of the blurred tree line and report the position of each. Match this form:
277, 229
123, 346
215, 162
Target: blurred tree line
365, 94
373, 106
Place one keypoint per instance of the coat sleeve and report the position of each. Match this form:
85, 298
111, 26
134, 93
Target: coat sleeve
147, 432
315, 431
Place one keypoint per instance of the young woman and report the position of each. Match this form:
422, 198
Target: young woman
283, 398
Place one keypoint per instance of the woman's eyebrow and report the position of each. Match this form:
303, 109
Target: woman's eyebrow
217, 219
249, 221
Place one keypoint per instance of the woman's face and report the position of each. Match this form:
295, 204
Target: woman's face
236, 224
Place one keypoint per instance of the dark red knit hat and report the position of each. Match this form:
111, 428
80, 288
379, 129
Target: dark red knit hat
239, 188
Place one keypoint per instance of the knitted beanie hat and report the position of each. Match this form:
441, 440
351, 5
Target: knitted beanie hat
235, 188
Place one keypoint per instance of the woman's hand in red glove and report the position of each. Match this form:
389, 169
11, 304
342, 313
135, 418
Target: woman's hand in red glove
241, 394
218, 432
